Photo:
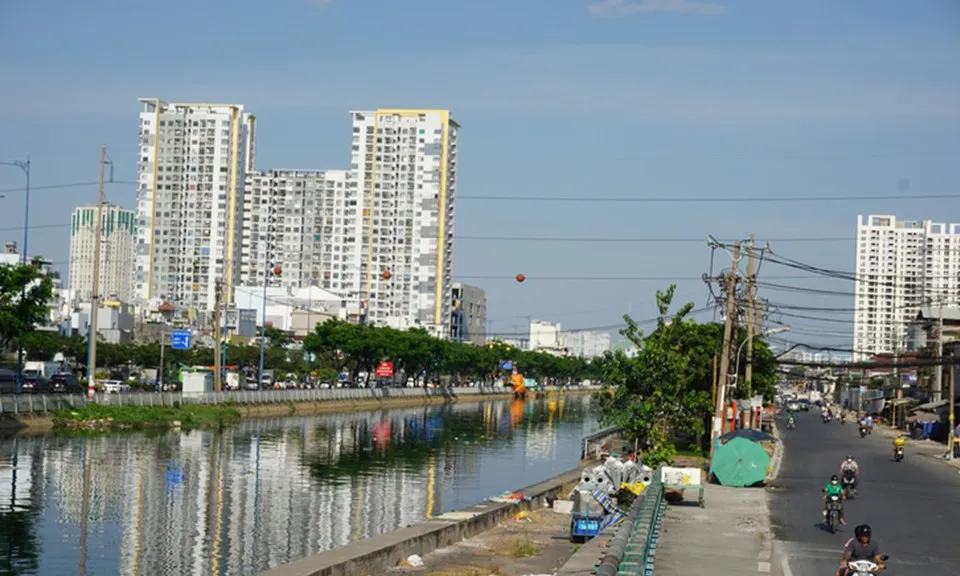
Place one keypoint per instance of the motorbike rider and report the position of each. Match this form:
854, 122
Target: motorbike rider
833, 488
868, 422
850, 465
861, 547
898, 443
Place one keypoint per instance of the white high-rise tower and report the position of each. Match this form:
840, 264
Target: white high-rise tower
405, 163
116, 253
900, 267
190, 173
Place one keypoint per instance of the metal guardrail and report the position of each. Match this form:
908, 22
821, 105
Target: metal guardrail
634, 546
46, 403
598, 435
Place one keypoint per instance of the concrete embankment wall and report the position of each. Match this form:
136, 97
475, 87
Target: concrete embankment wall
378, 554
270, 403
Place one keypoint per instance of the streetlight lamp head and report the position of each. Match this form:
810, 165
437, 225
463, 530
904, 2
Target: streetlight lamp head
779, 330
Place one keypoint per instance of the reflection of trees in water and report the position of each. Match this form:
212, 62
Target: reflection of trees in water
414, 437
19, 546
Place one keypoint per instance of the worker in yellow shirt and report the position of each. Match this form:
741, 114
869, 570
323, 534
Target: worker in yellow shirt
898, 443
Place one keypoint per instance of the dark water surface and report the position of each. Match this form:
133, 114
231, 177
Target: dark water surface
267, 491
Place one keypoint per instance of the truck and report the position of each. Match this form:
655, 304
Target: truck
42, 368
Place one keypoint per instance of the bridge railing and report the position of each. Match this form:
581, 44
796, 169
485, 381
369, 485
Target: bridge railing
45, 403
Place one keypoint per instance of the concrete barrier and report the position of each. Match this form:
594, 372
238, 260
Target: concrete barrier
46, 403
380, 553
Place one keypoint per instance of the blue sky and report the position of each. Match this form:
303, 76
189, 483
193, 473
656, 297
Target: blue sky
629, 99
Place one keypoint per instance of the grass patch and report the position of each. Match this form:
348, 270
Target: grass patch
138, 417
524, 549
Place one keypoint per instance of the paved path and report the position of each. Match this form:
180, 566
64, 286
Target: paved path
731, 536
913, 506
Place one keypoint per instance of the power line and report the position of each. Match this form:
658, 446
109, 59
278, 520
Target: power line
572, 239
62, 186
705, 199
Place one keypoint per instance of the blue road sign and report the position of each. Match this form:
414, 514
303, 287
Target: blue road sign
181, 339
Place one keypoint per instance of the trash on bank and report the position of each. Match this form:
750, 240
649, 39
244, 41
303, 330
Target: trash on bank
415, 561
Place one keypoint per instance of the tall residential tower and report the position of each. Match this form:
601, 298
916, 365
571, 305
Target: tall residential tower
305, 221
405, 162
900, 266
190, 174
116, 253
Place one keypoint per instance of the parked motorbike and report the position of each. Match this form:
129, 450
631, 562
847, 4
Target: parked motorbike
898, 455
864, 567
833, 513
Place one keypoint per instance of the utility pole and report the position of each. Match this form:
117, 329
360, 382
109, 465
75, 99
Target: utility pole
751, 313
217, 336
728, 283
938, 381
95, 296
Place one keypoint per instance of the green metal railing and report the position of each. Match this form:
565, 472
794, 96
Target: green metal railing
634, 546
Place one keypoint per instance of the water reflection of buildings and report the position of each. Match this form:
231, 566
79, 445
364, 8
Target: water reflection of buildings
256, 496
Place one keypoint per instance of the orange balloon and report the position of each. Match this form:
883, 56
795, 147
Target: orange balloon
387, 274
521, 277
277, 270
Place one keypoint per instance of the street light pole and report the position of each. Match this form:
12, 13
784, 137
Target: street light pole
25, 167
765, 333
263, 319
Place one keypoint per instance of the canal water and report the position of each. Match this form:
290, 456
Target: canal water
266, 491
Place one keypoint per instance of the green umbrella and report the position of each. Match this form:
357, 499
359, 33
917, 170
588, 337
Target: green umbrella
740, 462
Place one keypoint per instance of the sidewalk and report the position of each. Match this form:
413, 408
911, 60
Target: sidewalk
731, 536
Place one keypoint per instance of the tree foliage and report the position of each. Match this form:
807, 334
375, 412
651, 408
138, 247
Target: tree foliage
666, 390
359, 348
25, 292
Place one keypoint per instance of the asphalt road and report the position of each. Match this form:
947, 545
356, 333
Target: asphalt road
913, 506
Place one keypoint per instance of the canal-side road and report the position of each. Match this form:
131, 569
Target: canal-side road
912, 505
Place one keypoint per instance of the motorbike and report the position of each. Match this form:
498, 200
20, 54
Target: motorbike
898, 455
833, 513
842, 418
864, 567
863, 431
827, 418
849, 483
791, 424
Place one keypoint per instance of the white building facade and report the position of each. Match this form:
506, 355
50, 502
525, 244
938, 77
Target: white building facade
306, 222
118, 237
901, 265
586, 343
405, 164
191, 168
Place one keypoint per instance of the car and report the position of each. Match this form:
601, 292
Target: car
36, 385
66, 384
804, 405
793, 406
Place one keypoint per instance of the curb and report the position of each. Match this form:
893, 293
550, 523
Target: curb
777, 454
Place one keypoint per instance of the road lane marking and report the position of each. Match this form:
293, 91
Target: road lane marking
785, 566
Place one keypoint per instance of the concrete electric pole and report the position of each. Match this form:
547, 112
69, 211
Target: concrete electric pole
728, 283
95, 293
217, 336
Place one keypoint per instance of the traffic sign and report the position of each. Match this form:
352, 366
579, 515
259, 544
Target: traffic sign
181, 339
385, 370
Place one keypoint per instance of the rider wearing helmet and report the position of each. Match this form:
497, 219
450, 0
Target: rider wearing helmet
861, 547
898, 443
850, 464
833, 488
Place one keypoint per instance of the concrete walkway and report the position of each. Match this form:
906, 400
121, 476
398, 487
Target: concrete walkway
731, 536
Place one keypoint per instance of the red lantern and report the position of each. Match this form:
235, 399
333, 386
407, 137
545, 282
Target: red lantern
521, 278
387, 274
277, 270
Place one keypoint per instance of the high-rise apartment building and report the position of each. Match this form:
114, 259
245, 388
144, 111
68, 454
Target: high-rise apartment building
118, 237
901, 265
190, 172
405, 164
468, 321
307, 222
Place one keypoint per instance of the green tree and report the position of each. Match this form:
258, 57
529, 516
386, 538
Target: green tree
25, 292
655, 394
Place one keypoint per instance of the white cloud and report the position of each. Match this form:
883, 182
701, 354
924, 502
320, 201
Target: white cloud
627, 7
